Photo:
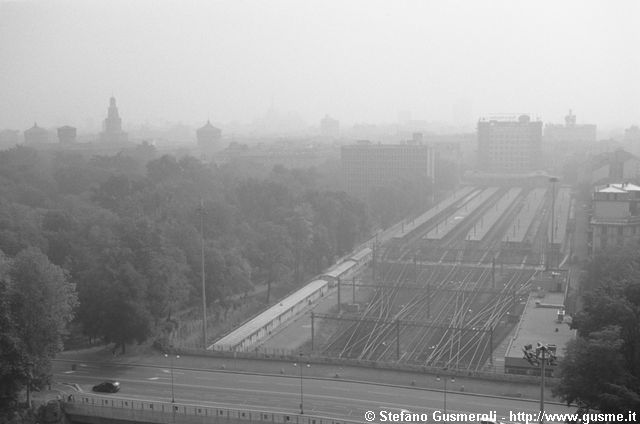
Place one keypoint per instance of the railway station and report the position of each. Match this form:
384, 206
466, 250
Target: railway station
457, 287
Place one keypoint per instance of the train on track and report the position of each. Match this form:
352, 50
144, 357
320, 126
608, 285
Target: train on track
265, 323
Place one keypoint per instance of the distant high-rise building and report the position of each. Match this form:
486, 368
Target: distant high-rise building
330, 127
67, 134
367, 166
632, 134
561, 143
112, 126
509, 145
570, 132
208, 136
36, 135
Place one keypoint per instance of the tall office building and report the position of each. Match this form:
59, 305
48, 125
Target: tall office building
632, 134
112, 127
570, 132
509, 144
366, 166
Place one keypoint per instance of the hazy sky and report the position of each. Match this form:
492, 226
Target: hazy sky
359, 61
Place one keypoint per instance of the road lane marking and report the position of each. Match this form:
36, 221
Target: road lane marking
175, 372
344, 389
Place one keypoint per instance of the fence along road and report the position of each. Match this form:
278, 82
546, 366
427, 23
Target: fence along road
147, 411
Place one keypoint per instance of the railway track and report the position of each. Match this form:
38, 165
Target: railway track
452, 310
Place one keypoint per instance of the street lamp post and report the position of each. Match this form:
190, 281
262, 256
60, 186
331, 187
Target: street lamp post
553, 181
541, 356
204, 292
453, 380
30, 366
299, 365
166, 355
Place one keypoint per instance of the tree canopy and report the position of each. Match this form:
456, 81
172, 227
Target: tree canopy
127, 230
37, 301
601, 369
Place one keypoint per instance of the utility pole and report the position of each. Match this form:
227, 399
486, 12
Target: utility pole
493, 272
398, 339
339, 300
553, 181
204, 293
353, 292
373, 260
428, 299
312, 330
300, 364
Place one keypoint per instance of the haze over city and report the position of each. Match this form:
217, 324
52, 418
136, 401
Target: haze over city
333, 212
358, 61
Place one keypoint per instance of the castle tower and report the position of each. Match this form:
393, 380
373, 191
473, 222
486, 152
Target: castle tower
112, 126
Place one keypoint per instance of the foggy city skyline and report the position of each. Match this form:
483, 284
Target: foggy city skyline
319, 211
358, 62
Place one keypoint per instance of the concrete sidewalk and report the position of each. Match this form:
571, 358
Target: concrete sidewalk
324, 371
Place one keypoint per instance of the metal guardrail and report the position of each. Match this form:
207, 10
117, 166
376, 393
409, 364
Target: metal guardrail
82, 404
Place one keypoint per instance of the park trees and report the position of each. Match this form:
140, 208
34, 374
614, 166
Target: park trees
37, 302
601, 369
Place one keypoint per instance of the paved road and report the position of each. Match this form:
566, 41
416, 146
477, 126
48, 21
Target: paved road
333, 398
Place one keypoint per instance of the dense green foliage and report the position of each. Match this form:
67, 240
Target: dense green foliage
125, 231
36, 304
601, 369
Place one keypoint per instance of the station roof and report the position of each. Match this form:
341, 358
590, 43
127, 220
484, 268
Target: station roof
239, 334
538, 324
611, 190
618, 188
362, 254
339, 269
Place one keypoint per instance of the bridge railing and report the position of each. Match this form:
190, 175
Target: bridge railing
136, 410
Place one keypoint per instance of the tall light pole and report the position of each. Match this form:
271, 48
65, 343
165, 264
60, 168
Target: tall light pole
166, 355
541, 356
553, 181
299, 365
204, 293
453, 380
30, 366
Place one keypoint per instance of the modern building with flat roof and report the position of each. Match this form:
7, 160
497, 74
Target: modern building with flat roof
570, 132
367, 166
509, 145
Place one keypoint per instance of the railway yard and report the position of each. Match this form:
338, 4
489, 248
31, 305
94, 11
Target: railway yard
448, 290
449, 286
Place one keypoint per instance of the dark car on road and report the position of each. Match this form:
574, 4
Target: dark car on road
107, 387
